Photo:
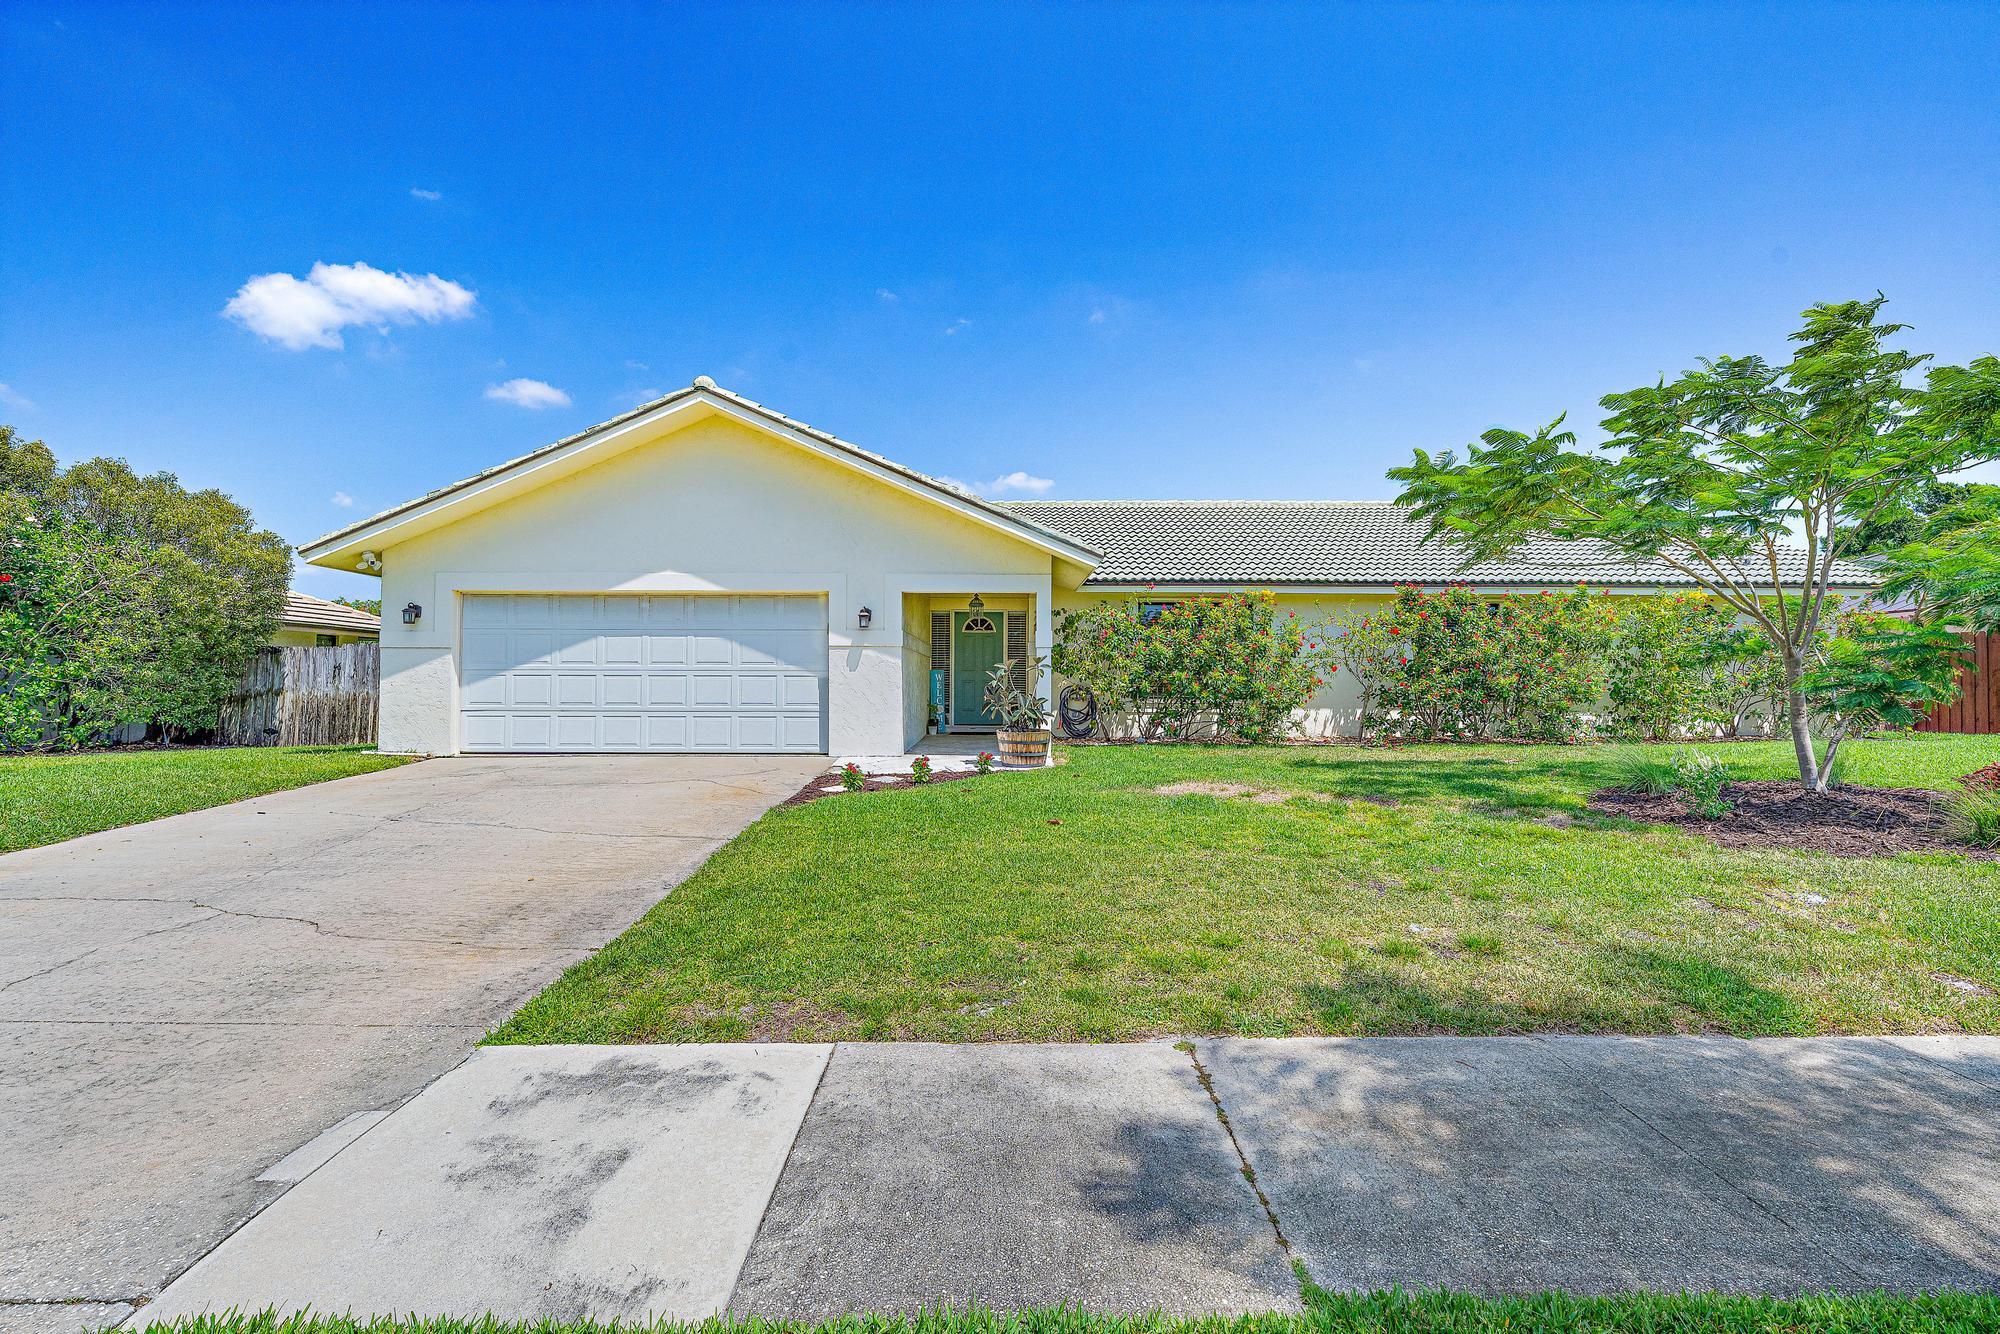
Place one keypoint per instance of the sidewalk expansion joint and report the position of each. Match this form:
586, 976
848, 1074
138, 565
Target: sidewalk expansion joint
1236, 1145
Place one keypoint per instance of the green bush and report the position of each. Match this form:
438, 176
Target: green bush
1229, 667
1466, 665
1642, 771
1661, 665
1974, 816
1700, 780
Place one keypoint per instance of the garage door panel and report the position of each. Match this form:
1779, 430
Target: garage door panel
562, 673
667, 692
711, 732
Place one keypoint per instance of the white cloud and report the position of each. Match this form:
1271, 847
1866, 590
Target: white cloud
960, 323
1013, 483
632, 398
884, 294
342, 499
1099, 316
428, 196
310, 312
1018, 483
11, 397
523, 393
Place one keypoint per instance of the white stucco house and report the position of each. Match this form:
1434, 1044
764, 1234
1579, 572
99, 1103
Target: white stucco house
706, 574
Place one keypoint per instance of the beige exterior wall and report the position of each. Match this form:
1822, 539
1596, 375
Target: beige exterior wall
715, 506
293, 637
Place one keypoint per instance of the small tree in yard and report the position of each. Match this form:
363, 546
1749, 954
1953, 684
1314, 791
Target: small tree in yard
1717, 472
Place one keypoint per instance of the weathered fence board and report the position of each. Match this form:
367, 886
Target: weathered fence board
1977, 709
316, 696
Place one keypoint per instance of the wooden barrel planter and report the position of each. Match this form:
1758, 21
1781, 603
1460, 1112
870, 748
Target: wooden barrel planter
1024, 750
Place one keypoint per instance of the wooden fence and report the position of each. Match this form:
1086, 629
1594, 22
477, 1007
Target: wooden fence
318, 696
1977, 710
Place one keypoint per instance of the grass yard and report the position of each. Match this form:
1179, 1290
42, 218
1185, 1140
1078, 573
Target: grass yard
1326, 1313
1425, 890
48, 798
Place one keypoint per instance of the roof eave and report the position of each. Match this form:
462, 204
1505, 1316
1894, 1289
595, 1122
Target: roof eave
377, 530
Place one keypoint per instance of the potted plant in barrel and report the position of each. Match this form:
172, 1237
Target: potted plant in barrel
1023, 715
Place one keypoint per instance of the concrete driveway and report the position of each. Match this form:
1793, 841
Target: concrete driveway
186, 1002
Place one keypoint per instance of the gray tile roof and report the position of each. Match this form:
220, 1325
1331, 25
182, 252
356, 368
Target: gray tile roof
1324, 542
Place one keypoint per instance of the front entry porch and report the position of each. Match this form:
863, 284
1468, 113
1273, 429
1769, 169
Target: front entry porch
970, 635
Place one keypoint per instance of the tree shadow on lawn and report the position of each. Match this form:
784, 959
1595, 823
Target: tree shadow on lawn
1604, 1164
1512, 785
1670, 992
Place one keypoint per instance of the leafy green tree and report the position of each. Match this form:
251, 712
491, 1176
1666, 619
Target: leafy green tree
1719, 470
123, 598
1883, 672
1935, 509
373, 606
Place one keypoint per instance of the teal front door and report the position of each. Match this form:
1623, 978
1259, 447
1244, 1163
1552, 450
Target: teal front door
978, 645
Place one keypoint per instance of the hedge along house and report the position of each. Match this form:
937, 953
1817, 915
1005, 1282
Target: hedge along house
705, 574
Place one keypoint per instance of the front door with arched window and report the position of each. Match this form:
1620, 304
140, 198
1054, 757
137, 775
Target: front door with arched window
978, 645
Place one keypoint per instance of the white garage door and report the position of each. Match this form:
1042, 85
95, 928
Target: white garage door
643, 672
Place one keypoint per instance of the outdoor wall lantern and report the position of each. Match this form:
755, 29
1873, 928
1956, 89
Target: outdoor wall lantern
977, 602
412, 614
865, 616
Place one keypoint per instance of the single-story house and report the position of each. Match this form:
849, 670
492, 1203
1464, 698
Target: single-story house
307, 620
706, 574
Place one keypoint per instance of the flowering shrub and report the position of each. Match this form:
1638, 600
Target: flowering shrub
983, 762
1458, 664
1228, 666
852, 778
920, 769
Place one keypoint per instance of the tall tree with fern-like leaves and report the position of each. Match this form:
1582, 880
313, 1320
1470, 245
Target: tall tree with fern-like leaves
1716, 471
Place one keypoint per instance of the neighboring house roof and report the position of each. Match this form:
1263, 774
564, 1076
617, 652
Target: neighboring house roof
1230, 543
303, 609
378, 527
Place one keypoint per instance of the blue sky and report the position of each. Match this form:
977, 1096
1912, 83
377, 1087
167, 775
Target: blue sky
1129, 251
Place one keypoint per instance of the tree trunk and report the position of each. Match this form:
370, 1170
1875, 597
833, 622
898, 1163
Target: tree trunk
1802, 742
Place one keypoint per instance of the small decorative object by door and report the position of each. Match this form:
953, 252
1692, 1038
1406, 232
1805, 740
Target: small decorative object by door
1023, 715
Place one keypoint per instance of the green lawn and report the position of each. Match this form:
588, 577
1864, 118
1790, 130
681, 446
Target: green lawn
48, 798
1473, 894
1374, 1313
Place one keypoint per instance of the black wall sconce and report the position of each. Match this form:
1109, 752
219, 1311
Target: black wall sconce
865, 617
412, 614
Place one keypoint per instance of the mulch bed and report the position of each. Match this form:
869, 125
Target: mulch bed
815, 789
1987, 778
1849, 822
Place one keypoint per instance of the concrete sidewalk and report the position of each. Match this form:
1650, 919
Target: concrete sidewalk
809, 1180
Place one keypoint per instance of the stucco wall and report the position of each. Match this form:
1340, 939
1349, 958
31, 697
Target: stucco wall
715, 506
287, 638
